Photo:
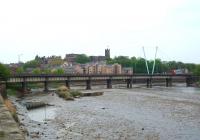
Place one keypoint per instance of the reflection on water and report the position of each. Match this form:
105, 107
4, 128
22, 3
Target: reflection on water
184, 89
42, 114
181, 88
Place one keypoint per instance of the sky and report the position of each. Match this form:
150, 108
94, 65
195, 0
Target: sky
59, 27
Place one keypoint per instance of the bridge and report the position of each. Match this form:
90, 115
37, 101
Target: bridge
128, 79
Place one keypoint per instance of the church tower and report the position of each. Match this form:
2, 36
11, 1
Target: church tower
107, 53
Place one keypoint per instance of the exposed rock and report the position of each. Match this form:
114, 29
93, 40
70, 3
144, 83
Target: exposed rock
32, 105
92, 94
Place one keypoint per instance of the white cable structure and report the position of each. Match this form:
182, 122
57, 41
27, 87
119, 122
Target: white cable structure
154, 63
146, 60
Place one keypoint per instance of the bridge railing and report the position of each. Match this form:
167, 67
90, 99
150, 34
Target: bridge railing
92, 75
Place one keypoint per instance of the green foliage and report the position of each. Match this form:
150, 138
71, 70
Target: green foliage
139, 66
11, 92
20, 70
75, 93
4, 72
82, 59
46, 71
59, 71
14, 86
31, 64
37, 71
2, 134
197, 70
191, 67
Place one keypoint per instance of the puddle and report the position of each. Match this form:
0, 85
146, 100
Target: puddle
42, 114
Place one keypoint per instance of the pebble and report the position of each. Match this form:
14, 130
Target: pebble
142, 128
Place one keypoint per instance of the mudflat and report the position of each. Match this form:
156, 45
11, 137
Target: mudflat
158, 113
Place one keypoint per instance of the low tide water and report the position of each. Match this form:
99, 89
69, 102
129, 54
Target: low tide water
42, 114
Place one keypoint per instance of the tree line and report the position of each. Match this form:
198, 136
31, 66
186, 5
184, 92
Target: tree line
137, 64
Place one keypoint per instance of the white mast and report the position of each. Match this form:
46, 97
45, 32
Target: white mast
19, 55
146, 60
154, 60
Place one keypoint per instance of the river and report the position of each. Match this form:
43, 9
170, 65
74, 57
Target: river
158, 113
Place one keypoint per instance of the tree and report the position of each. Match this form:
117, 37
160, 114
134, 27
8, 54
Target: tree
197, 70
82, 59
37, 71
59, 71
31, 64
141, 66
19, 70
46, 71
4, 72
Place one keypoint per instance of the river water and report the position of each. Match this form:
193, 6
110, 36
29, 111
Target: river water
42, 114
158, 113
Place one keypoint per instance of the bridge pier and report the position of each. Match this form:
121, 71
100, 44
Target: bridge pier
24, 86
46, 88
67, 83
149, 83
109, 83
88, 84
129, 83
189, 81
168, 82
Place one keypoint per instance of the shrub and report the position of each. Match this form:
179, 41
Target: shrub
75, 93
67, 94
63, 88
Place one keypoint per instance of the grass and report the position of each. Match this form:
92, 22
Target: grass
11, 92
67, 94
2, 134
75, 93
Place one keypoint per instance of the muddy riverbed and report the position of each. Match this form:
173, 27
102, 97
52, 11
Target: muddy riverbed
119, 114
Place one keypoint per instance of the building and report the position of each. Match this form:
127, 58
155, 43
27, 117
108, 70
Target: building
97, 58
109, 69
127, 70
117, 69
75, 69
107, 53
71, 58
180, 71
55, 60
91, 69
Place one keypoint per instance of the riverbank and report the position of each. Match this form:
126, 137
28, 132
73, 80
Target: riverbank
159, 113
9, 129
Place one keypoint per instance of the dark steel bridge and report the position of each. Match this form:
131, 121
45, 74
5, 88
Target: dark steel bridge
128, 79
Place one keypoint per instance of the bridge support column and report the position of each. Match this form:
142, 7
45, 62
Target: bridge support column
109, 83
168, 82
149, 83
24, 86
188, 81
129, 83
67, 83
88, 84
46, 89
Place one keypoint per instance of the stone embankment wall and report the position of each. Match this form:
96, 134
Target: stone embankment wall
9, 129
3, 90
